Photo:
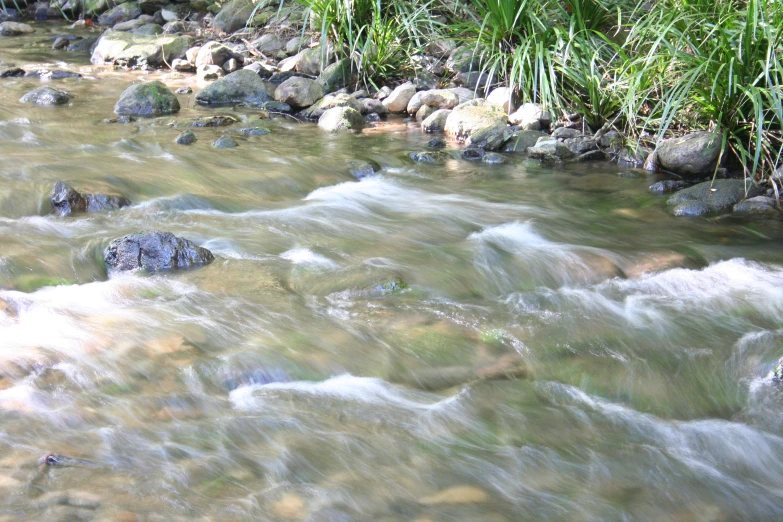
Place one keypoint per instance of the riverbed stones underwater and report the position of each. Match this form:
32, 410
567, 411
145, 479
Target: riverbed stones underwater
154, 251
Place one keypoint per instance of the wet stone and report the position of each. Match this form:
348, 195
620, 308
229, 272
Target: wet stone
154, 251
436, 143
363, 168
472, 154
120, 119
669, 185
66, 200
186, 138
51, 74
46, 96
12, 72
254, 131
493, 158
214, 121
225, 142
184, 90
425, 157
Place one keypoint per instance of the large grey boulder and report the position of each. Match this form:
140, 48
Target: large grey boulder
299, 92
340, 119
712, 197
436, 98
399, 98
154, 251
129, 48
330, 101
240, 87
14, 29
66, 201
147, 99
120, 13
692, 155
46, 96
471, 117
549, 149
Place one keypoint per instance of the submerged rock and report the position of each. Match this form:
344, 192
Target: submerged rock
493, 158
187, 137
363, 168
66, 201
154, 251
711, 197
669, 185
240, 87
147, 99
46, 96
426, 156
693, 155
341, 118
436, 143
225, 142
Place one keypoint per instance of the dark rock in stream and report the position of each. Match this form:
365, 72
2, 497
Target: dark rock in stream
12, 72
425, 156
363, 168
214, 121
51, 74
711, 197
225, 142
186, 138
254, 131
147, 99
669, 185
436, 143
472, 154
46, 96
493, 158
154, 251
184, 90
239, 87
66, 201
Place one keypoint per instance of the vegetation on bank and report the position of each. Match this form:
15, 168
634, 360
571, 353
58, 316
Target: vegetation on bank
649, 68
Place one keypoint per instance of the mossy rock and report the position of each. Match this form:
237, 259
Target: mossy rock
147, 99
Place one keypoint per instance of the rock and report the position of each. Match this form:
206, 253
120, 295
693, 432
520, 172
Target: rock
184, 90
214, 53
331, 101
174, 12
693, 155
463, 94
456, 495
708, 198
51, 74
474, 80
436, 143
472, 154
504, 98
473, 116
493, 158
564, 133
581, 144
373, 117
149, 29
383, 93
549, 149
186, 137
154, 251
491, 137
294, 45
129, 25
60, 43
241, 86
424, 112
209, 72
666, 186
231, 65
268, 44
335, 76
181, 65
180, 27
363, 168
147, 99
341, 118
131, 49
313, 61
463, 59
632, 159
254, 131
436, 121
261, 69
441, 48
425, 157
276, 106
436, 98
371, 105
12, 72
758, 205
14, 29
520, 141
66, 201
218, 120
83, 44
120, 13
299, 92
530, 115
225, 142
399, 98
192, 53
235, 14
46, 96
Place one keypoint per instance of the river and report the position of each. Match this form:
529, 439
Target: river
439, 342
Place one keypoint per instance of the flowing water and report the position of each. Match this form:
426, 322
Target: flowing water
435, 343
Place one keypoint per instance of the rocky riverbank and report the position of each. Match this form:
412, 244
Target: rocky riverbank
258, 55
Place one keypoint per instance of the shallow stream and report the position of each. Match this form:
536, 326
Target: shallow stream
449, 342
